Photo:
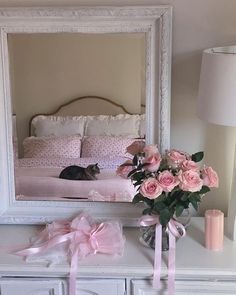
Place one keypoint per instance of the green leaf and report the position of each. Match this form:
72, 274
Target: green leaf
186, 204
194, 202
163, 165
131, 172
158, 206
195, 196
138, 198
165, 216
195, 205
177, 194
161, 198
147, 211
173, 191
179, 210
197, 157
139, 176
135, 160
205, 189
148, 202
185, 196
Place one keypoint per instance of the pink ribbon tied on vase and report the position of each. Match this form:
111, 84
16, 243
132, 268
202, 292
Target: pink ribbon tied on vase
174, 230
83, 237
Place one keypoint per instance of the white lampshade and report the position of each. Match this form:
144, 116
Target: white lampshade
217, 88
217, 104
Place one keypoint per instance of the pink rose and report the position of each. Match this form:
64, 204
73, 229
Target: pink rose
123, 171
167, 181
189, 165
150, 150
153, 162
190, 181
136, 147
210, 177
150, 188
175, 158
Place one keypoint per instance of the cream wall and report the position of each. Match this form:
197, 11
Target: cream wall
47, 70
197, 24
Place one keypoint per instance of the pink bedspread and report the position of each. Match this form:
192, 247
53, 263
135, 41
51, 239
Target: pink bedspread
43, 184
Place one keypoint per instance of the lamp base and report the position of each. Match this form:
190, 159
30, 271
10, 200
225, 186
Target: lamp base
231, 220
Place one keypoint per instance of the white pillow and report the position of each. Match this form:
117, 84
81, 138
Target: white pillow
142, 126
58, 125
119, 125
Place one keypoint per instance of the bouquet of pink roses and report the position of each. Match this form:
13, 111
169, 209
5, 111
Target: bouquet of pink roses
167, 183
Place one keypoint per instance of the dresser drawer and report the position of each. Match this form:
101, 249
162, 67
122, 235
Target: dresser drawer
31, 287
143, 287
100, 287
56, 287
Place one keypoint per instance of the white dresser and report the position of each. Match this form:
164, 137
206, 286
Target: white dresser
198, 271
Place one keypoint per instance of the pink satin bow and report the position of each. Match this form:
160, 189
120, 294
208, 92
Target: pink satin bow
175, 230
83, 236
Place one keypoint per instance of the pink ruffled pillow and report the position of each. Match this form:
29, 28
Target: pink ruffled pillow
52, 146
102, 146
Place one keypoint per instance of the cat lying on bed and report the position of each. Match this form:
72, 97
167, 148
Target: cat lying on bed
80, 173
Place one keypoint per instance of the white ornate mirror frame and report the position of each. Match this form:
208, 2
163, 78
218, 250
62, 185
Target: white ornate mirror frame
155, 22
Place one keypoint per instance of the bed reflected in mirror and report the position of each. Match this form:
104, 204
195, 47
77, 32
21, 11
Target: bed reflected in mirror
78, 100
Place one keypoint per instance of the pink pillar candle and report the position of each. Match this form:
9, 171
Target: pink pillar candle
214, 229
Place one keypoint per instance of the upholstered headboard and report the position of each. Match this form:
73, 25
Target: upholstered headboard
81, 106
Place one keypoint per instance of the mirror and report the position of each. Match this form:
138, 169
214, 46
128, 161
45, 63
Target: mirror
30, 86
46, 70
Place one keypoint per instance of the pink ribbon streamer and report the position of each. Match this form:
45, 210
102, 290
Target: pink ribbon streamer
83, 236
175, 230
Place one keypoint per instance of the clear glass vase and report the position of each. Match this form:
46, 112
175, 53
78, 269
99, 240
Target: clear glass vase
147, 237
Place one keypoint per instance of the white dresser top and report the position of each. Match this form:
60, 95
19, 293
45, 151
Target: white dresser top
192, 258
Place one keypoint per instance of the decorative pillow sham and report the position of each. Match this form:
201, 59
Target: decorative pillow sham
104, 146
52, 146
58, 125
107, 162
119, 125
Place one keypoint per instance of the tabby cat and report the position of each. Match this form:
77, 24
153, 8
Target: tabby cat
80, 173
